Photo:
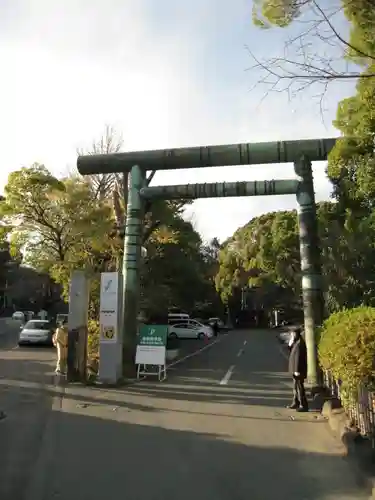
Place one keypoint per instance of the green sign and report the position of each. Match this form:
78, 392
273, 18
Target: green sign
153, 335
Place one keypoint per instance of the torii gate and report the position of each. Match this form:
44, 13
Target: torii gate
136, 163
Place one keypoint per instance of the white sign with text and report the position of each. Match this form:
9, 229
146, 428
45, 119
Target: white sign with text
109, 303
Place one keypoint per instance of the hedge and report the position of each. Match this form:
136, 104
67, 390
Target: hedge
93, 339
347, 347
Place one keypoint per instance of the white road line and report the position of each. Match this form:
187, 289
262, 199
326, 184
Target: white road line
245, 342
194, 353
240, 352
227, 376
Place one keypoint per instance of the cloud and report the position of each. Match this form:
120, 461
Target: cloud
70, 70
165, 74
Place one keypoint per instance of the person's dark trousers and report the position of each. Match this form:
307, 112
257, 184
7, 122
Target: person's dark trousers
299, 394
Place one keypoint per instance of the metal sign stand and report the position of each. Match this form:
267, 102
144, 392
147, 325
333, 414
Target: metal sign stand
144, 372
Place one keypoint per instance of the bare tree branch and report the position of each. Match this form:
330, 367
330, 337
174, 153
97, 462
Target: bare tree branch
317, 55
109, 142
338, 36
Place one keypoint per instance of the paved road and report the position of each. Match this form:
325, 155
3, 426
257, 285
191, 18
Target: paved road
216, 429
24, 376
27, 391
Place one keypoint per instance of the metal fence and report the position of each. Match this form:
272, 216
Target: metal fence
360, 408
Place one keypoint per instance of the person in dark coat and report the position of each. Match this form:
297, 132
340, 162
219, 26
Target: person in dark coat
215, 328
298, 370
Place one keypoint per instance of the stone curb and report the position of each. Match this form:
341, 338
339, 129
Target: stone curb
358, 449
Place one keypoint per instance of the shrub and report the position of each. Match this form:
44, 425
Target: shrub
347, 347
93, 339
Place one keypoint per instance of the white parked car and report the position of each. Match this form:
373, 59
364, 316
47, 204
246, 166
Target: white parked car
18, 315
285, 337
36, 331
220, 322
23, 315
174, 318
61, 317
190, 329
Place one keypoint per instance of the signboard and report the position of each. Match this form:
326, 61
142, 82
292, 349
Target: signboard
108, 326
109, 302
109, 291
108, 332
151, 346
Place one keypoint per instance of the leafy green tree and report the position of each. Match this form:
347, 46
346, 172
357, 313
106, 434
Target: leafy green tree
346, 228
264, 255
268, 13
114, 188
62, 225
351, 164
58, 223
348, 257
266, 249
53, 216
176, 273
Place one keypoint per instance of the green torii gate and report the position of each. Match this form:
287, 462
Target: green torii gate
137, 163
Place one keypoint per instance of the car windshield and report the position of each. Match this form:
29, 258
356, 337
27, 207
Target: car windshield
37, 325
194, 323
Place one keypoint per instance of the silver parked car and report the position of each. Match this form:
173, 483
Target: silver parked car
220, 323
189, 329
36, 331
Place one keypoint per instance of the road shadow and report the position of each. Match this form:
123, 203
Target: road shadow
26, 404
93, 458
27, 411
23, 369
204, 394
116, 400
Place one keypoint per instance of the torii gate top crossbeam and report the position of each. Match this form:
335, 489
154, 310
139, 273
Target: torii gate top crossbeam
207, 156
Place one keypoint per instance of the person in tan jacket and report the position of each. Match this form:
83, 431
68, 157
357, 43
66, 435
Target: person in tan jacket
60, 341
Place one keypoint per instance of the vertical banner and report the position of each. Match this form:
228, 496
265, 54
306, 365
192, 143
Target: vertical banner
110, 341
109, 303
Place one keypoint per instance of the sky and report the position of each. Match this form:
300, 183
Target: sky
165, 74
